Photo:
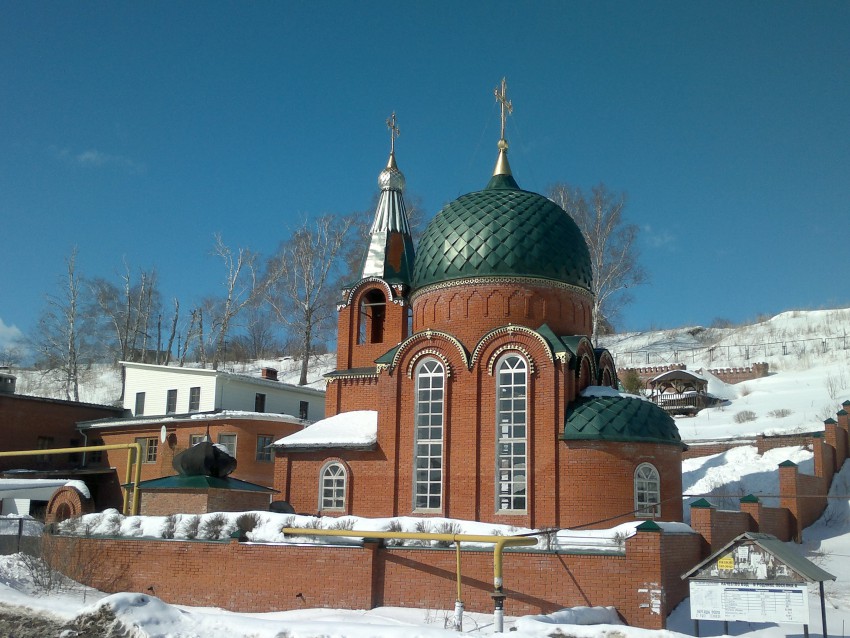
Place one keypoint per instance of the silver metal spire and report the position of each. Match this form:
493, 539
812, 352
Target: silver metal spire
390, 246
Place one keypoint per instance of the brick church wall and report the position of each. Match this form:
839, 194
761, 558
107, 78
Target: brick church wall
248, 577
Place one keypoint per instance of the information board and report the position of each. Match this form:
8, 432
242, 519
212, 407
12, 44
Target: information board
713, 600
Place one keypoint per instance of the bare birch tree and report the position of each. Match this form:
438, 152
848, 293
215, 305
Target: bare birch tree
612, 244
241, 289
299, 278
59, 337
126, 311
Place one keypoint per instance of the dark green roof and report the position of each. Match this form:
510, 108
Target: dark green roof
618, 418
198, 482
502, 231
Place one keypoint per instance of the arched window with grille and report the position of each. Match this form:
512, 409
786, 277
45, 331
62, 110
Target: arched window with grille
430, 421
332, 487
647, 491
511, 434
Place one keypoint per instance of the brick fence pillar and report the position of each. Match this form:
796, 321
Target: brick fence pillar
789, 497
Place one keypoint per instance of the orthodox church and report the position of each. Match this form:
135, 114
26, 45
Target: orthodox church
467, 385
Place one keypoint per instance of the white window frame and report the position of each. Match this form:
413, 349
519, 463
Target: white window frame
429, 420
647, 491
233, 454
511, 378
334, 479
195, 398
171, 401
264, 452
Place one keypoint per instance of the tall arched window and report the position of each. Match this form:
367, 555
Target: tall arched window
332, 487
511, 433
428, 470
647, 491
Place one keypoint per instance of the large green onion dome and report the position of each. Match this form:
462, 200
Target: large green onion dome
502, 231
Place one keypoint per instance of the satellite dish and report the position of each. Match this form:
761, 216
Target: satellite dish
162, 434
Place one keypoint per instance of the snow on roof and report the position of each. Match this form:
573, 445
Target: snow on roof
38, 489
185, 418
347, 429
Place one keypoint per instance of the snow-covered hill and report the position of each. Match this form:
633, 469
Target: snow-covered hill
793, 340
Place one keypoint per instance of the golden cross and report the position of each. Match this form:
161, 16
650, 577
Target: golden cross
502, 99
394, 132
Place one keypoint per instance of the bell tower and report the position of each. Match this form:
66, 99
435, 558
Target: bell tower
373, 314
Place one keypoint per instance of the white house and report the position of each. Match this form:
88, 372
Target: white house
156, 390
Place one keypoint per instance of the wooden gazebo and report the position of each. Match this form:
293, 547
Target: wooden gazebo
679, 391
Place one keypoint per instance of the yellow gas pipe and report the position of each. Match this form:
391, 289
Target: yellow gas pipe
137, 463
498, 542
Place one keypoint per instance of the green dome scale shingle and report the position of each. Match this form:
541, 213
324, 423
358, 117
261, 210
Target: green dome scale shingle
502, 231
621, 419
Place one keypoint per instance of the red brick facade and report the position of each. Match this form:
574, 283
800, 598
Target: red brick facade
164, 502
33, 422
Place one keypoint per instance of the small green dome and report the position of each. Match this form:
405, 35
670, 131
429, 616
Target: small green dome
618, 418
502, 231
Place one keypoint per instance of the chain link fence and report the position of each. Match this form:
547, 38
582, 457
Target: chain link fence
733, 354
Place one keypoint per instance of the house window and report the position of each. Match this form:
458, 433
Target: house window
428, 477
194, 439
511, 438
228, 441
194, 399
140, 404
332, 487
95, 456
259, 402
647, 491
149, 448
171, 402
44, 443
303, 410
264, 452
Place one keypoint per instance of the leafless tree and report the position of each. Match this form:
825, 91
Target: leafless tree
173, 332
59, 337
612, 244
241, 289
126, 311
10, 355
298, 281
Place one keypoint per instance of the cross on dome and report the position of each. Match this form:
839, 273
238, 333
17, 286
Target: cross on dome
504, 103
394, 131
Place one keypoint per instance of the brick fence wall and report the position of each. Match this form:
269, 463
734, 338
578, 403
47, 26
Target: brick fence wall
727, 375
250, 577
802, 497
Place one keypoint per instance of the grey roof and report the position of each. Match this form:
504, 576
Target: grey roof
793, 559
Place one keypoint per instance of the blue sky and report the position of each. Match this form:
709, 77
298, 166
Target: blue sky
135, 131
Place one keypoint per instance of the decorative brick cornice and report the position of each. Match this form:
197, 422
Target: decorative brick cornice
509, 330
392, 295
497, 281
510, 347
429, 352
428, 335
